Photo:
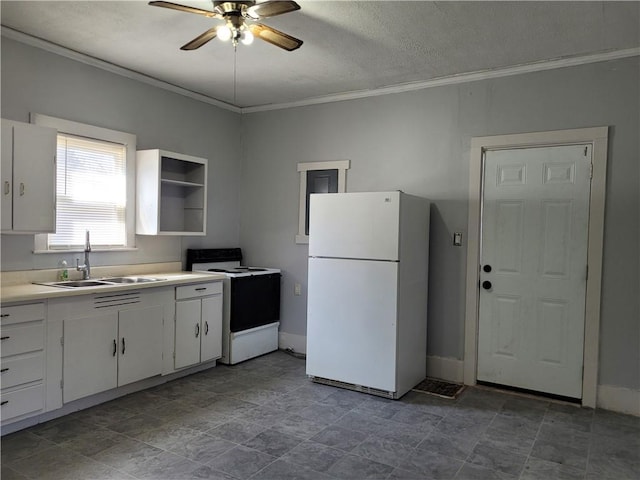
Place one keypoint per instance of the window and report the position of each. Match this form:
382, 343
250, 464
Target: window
95, 180
318, 177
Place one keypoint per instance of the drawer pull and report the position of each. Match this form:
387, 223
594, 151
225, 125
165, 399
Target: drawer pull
7, 188
197, 330
200, 289
7, 337
4, 402
5, 315
6, 369
206, 328
123, 345
115, 347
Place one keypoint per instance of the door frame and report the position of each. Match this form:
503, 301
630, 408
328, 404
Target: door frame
598, 138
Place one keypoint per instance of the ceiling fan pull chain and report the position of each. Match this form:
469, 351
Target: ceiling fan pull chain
235, 66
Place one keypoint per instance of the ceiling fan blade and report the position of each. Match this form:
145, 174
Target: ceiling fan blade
275, 37
200, 40
183, 8
271, 8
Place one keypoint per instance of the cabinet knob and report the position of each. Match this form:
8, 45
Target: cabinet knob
115, 347
123, 346
206, 328
197, 330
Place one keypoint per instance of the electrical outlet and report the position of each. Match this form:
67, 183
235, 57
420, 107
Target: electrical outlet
297, 289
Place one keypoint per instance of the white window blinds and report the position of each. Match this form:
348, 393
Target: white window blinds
91, 183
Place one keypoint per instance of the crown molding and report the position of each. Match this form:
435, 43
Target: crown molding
110, 67
405, 87
456, 79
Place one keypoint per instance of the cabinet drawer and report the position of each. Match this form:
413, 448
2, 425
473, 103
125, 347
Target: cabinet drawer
21, 313
21, 402
22, 338
199, 290
21, 369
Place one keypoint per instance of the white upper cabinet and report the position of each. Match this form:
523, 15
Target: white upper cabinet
171, 193
28, 178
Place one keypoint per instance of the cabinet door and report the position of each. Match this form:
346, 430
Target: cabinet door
211, 337
34, 178
90, 362
188, 314
6, 171
140, 344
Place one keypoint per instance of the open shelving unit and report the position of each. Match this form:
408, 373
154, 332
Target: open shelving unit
172, 193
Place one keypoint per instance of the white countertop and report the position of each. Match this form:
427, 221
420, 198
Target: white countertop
29, 291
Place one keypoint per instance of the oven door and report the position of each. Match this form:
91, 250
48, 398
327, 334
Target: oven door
255, 301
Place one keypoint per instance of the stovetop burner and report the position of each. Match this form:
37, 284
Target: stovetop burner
237, 270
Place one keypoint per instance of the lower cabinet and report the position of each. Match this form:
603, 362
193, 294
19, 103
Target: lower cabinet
110, 350
22, 367
198, 335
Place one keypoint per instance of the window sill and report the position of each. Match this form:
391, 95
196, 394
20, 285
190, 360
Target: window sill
81, 250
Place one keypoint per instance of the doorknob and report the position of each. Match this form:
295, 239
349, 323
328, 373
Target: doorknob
487, 268
486, 284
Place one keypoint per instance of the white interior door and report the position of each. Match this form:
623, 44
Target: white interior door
352, 321
534, 267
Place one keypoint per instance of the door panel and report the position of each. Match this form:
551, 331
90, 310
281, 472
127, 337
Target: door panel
355, 225
90, 362
6, 172
140, 356
351, 321
211, 338
534, 239
187, 349
34, 194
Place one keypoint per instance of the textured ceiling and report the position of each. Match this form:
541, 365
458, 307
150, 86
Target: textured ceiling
349, 46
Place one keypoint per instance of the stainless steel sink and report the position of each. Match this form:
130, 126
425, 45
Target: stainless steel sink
77, 283
103, 282
131, 279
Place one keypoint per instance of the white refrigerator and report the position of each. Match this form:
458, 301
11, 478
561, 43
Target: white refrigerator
367, 291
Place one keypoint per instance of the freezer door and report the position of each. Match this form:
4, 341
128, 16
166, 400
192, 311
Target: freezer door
351, 321
354, 225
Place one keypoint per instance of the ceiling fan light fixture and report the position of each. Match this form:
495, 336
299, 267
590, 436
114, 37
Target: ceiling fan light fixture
224, 33
246, 37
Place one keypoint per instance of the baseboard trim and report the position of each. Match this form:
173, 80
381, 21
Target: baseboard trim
445, 368
289, 340
619, 399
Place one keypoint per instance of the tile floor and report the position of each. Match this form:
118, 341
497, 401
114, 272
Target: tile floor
264, 419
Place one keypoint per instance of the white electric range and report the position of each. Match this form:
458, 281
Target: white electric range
251, 302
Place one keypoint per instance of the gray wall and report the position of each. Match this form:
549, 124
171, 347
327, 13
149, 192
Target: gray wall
37, 81
416, 141
419, 142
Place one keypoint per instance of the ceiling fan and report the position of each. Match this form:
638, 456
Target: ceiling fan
236, 28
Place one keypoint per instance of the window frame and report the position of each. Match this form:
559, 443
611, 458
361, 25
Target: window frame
341, 165
100, 134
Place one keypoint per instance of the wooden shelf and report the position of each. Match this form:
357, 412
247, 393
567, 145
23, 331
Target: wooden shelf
172, 193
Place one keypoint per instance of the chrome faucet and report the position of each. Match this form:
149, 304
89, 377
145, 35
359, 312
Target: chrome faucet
86, 268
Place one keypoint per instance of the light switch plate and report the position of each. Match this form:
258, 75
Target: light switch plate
457, 239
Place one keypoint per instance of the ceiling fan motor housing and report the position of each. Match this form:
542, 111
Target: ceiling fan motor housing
227, 9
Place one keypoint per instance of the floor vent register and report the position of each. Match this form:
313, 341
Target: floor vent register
439, 388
